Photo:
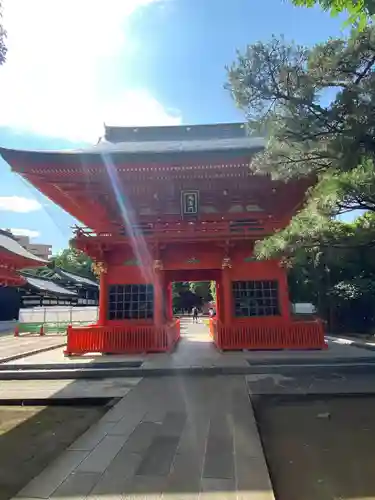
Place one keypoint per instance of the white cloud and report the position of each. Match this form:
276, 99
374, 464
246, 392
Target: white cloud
25, 232
56, 79
18, 204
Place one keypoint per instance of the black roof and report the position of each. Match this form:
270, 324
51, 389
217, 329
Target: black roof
176, 133
218, 142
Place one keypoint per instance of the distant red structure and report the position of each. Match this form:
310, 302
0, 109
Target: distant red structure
167, 204
13, 257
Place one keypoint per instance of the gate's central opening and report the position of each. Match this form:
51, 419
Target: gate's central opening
191, 289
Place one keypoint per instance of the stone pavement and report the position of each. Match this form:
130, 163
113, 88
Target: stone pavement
11, 348
66, 389
170, 438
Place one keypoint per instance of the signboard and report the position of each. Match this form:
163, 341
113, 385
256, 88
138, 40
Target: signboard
189, 202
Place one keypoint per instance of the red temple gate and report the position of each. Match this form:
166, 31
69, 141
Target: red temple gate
171, 204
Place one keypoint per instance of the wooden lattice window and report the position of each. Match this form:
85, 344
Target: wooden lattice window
131, 302
256, 298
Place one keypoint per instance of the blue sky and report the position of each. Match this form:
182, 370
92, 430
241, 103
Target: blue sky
73, 65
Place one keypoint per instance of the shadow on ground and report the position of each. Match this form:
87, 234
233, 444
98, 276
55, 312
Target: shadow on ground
33, 436
319, 447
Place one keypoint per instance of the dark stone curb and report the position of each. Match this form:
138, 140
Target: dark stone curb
70, 366
357, 367
363, 345
56, 401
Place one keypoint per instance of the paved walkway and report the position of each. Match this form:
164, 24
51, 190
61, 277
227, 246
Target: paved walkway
12, 347
66, 389
175, 438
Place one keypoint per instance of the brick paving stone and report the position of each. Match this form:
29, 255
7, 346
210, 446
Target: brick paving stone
252, 476
143, 487
173, 423
50, 479
219, 461
92, 437
156, 415
77, 485
100, 458
141, 437
218, 489
115, 479
126, 425
159, 457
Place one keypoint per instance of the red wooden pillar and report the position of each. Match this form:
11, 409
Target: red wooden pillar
227, 298
103, 298
169, 302
284, 296
158, 298
219, 313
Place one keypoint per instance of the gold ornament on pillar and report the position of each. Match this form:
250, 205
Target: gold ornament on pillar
158, 265
226, 263
98, 268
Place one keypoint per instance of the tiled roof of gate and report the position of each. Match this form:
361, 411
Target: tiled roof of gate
156, 144
173, 146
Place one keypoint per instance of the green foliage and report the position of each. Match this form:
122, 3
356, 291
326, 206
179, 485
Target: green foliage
202, 290
359, 11
339, 280
74, 261
213, 290
189, 294
71, 260
182, 296
282, 87
318, 108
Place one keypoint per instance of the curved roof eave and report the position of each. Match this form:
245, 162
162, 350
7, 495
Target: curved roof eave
48, 286
250, 144
12, 246
77, 278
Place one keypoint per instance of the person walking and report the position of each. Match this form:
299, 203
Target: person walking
195, 314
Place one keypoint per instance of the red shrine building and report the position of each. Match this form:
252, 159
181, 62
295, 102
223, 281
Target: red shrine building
179, 203
13, 258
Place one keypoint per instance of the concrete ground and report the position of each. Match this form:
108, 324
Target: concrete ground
12, 347
31, 437
65, 389
319, 448
175, 438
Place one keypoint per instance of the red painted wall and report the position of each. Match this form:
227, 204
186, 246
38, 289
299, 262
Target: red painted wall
262, 270
196, 260
192, 256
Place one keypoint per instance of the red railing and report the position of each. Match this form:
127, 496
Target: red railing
261, 334
129, 339
212, 326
